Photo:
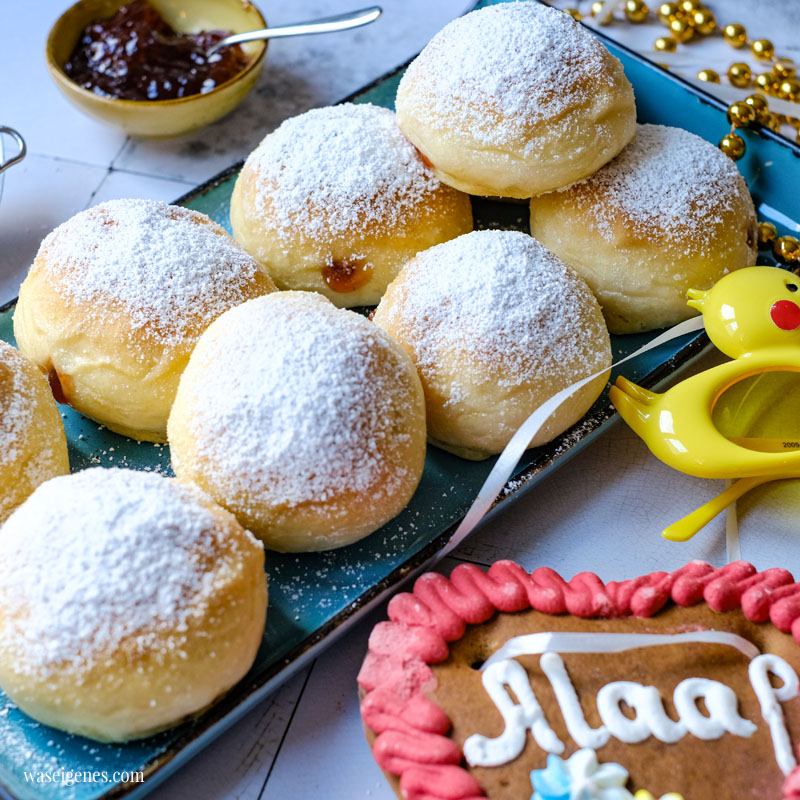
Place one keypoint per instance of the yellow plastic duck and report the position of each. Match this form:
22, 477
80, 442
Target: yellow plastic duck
753, 316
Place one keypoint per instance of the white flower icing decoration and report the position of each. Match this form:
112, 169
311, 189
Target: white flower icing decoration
580, 777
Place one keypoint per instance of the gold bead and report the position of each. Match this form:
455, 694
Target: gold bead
741, 115
762, 49
690, 6
636, 10
704, 22
767, 82
735, 35
708, 75
732, 145
597, 11
767, 233
681, 29
668, 12
760, 106
665, 44
786, 249
574, 13
794, 122
789, 89
774, 123
784, 68
739, 74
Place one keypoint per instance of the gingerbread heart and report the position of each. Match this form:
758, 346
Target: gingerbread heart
508, 685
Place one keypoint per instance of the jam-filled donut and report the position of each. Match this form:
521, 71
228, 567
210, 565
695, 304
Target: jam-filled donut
496, 325
670, 213
305, 421
33, 447
115, 301
336, 200
515, 100
127, 602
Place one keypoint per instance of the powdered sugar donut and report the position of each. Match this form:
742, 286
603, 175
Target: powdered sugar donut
670, 213
116, 300
496, 325
33, 447
514, 100
306, 421
336, 200
155, 609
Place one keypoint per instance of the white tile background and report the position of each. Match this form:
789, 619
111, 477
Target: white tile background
602, 511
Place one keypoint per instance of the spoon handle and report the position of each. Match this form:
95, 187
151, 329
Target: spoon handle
341, 22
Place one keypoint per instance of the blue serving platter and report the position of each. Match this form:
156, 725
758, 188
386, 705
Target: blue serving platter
315, 597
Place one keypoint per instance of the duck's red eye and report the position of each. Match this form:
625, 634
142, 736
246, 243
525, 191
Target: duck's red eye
786, 315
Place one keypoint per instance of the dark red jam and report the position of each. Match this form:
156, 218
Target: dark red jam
346, 276
136, 55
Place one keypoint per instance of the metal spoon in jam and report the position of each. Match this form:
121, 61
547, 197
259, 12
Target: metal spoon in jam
341, 22
137, 55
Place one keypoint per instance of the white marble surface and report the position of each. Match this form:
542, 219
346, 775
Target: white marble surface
602, 511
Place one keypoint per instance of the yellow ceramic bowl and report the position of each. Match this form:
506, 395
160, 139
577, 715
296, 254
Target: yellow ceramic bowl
160, 118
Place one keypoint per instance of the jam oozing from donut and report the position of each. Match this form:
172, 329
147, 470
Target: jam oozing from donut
752, 235
346, 275
137, 55
425, 160
62, 386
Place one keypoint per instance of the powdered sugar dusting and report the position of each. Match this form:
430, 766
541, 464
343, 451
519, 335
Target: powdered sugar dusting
502, 299
98, 557
307, 403
168, 267
17, 404
665, 182
334, 169
502, 68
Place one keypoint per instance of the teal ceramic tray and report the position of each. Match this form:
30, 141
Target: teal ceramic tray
315, 597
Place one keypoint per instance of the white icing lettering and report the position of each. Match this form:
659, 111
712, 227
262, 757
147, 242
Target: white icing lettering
580, 730
649, 715
769, 697
651, 718
721, 703
519, 717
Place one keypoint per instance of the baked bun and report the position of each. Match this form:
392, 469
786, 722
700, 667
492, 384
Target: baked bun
670, 213
127, 602
115, 301
514, 100
496, 325
305, 421
336, 201
33, 447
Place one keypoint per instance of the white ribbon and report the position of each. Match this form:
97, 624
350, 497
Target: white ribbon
520, 441
533, 644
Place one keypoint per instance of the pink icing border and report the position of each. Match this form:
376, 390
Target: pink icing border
411, 741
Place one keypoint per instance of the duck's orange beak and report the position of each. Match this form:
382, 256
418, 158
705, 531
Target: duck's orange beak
696, 298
